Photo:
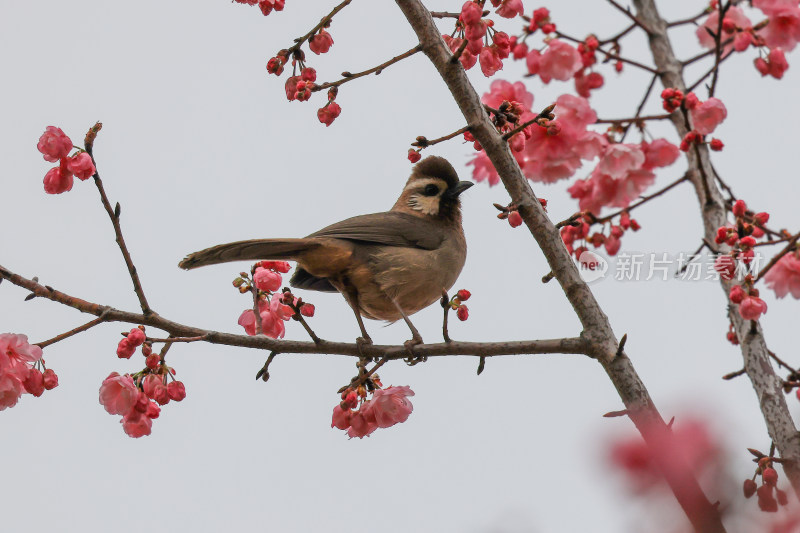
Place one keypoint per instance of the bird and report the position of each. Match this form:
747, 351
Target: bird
387, 265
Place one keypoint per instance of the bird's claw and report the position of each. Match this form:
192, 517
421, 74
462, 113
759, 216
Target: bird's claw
361, 342
412, 358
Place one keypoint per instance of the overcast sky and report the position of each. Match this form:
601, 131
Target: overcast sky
200, 146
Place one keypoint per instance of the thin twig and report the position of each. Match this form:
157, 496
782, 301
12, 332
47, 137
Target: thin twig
723, 8
423, 142
377, 70
633, 119
631, 16
70, 333
544, 113
113, 214
324, 22
445, 301
620, 35
170, 340
642, 103
643, 200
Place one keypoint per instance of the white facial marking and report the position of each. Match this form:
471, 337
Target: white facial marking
418, 201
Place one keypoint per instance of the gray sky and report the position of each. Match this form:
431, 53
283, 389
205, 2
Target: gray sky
200, 147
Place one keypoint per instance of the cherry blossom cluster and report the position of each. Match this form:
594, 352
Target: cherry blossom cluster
456, 303
474, 32
274, 308
386, 408
623, 172
706, 116
577, 238
769, 496
741, 237
300, 86
138, 398
778, 34
20, 370
545, 153
266, 6
56, 146
691, 444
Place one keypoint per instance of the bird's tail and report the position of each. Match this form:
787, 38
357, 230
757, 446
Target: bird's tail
248, 250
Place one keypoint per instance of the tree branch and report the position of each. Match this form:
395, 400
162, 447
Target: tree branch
766, 383
597, 330
183, 333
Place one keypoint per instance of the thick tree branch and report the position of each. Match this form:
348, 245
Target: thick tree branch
766, 383
597, 329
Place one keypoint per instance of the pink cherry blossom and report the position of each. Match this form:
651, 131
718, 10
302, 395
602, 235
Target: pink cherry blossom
58, 179
10, 390
783, 30
533, 61
510, 9
136, 337
601, 190
776, 63
619, 159
471, 13
560, 61
659, 153
584, 84
362, 422
176, 390
151, 383
81, 165
501, 91
248, 321
54, 144
708, 115
34, 383
136, 424
784, 276
50, 379
272, 325
321, 42
267, 280
734, 15
326, 115
391, 406
490, 61
118, 394
752, 307
341, 418
15, 349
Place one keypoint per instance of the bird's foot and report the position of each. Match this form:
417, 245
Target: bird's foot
413, 358
362, 342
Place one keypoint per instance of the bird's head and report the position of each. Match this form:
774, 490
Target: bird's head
433, 190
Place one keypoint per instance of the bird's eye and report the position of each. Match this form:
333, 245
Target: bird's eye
431, 190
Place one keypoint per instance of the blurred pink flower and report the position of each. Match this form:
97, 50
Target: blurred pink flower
784, 276
560, 61
708, 115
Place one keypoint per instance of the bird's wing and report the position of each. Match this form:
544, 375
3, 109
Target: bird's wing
389, 228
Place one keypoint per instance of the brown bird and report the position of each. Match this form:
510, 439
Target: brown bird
387, 265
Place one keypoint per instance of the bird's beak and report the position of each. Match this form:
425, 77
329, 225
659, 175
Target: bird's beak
458, 188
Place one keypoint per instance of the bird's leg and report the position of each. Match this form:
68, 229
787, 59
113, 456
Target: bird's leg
351, 295
415, 339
